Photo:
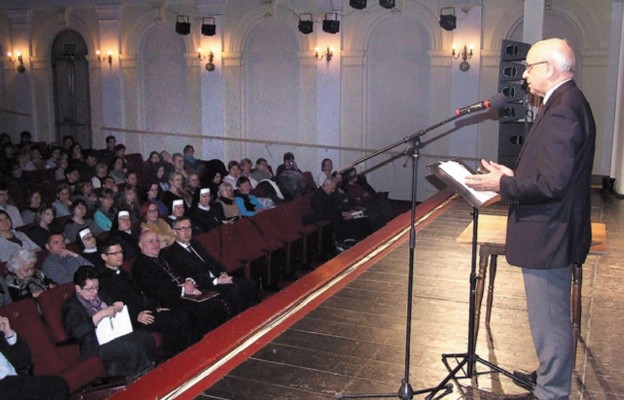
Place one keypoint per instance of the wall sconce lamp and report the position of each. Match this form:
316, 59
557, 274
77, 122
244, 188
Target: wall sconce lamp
108, 58
466, 54
18, 58
209, 65
327, 54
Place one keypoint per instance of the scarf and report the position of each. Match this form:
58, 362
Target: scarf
247, 201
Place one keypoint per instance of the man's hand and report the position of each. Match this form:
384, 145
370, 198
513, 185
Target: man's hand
224, 279
5, 326
145, 317
490, 180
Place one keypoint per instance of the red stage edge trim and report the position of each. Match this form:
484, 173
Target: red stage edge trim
219, 343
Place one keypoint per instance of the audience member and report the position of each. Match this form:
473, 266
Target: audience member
25, 140
174, 326
164, 287
12, 240
24, 280
11, 210
101, 172
178, 211
226, 199
190, 259
33, 201
87, 167
261, 171
176, 192
44, 225
79, 221
120, 151
84, 191
362, 196
178, 165
206, 215
153, 194
37, 158
72, 177
61, 263
247, 203
152, 221
190, 162
5, 296
289, 164
130, 355
15, 382
105, 215
118, 170
192, 184
245, 170
67, 142
128, 200
127, 235
109, 151
54, 157
63, 201
234, 170
327, 166
61, 166
87, 245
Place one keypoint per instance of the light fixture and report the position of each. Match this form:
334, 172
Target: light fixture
18, 58
358, 4
331, 25
208, 27
465, 54
183, 25
387, 3
448, 20
306, 26
327, 54
210, 65
108, 58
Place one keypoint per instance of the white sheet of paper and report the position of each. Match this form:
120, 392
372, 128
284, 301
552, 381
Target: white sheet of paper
111, 328
459, 172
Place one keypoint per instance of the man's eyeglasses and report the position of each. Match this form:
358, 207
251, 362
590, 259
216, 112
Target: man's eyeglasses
528, 67
183, 228
91, 289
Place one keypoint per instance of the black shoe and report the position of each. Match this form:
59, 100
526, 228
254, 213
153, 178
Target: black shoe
523, 396
526, 377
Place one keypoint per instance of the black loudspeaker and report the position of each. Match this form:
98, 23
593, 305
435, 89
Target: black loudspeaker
510, 139
510, 71
512, 112
513, 91
358, 4
514, 51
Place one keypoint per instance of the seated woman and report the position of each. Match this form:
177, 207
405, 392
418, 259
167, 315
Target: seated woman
79, 221
327, 167
226, 199
178, 211
128, 200
88, 247
24, 280
12, 240
153, 195
104, 216
247, 203
176, 191
44, 225
152, 221
33, 199
84, 191
63, 201
205, 215
128, 236
130, 355
117, 170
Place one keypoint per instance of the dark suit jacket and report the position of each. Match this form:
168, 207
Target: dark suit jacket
18, 354
156, 283
187, 265
549, 222
80, 326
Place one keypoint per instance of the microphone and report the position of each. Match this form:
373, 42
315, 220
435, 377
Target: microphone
496, 101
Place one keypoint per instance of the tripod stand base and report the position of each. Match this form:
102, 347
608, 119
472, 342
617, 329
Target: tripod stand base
465, 368
405, 392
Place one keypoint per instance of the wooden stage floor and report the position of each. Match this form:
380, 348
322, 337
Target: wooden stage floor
353, 340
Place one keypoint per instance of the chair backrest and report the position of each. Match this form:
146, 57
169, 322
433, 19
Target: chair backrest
310, 181
25, 320
134, 162
51, 303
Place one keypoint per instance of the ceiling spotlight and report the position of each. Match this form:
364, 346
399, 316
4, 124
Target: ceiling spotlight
183, 25
358, 4
387, 3
208, 27
331, 25
448, 20
306, 26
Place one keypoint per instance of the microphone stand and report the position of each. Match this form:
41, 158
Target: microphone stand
405, 391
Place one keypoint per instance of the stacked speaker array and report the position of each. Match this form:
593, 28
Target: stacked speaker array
513, 122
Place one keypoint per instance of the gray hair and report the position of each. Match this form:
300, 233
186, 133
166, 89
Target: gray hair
21, 258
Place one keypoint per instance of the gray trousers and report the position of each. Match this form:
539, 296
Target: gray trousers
548, 305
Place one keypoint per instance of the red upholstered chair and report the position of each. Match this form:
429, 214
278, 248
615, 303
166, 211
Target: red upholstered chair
323, 226
51, 302
310, 181
46, 357
134, 162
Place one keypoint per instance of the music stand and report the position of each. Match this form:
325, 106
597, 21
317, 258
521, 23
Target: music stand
469, 359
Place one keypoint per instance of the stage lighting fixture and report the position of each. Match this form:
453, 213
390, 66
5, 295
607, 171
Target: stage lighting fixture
387, 3
183, 25
208, 27
331, 25
306, 26
358, 4
448, 20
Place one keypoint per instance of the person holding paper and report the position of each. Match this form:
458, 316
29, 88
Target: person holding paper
549, 224
130, 355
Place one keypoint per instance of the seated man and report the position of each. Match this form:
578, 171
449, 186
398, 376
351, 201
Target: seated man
61, 264
168, 289
129, 355
188, 258
175, 326
15, 383
362, 196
